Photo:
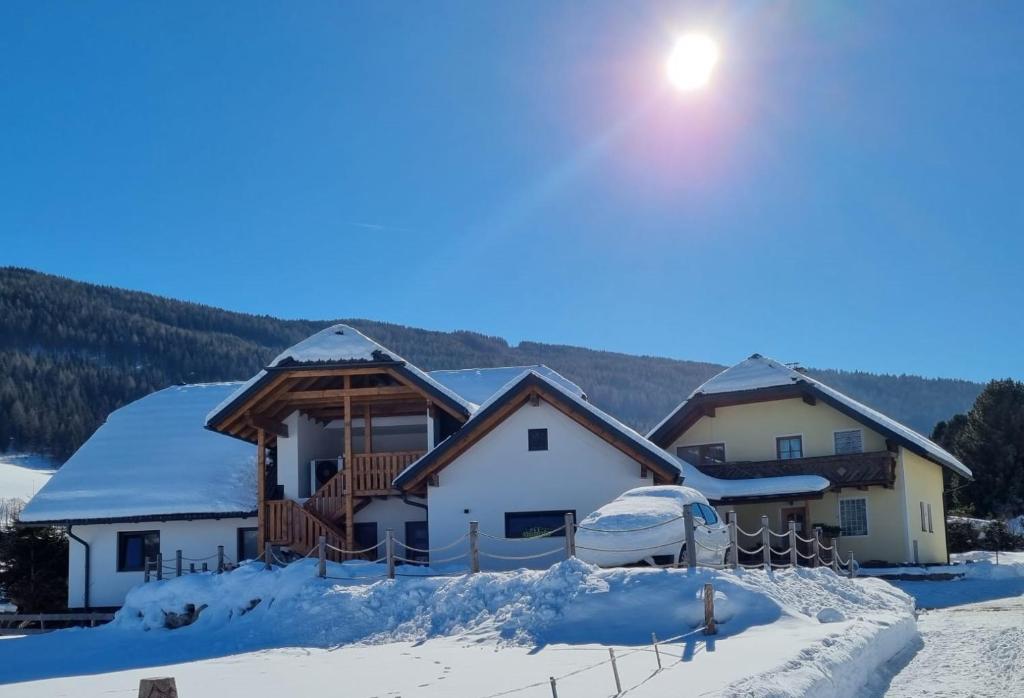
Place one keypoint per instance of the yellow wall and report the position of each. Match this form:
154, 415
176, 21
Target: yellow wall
894, 519
923, 483
749, 431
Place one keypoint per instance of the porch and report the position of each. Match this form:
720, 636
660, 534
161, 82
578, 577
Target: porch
842, 470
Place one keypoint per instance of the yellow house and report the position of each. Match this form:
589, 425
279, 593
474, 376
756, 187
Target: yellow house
761, 419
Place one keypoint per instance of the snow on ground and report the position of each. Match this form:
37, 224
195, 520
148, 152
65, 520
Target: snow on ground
477, 635
972, 650
982, 580
22, 475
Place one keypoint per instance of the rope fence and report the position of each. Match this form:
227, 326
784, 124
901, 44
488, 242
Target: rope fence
801, 551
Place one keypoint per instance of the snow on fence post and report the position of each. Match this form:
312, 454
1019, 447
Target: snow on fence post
220, 559
853, 566
835, 556
570, 534
709, 610
159, 566
554, 687
267, 556
389, 550
177, 563
321, 557
691, 541
816, 547
474, 547
766, 544
145, 576
657, 654
615, 670
792, 545
734, 540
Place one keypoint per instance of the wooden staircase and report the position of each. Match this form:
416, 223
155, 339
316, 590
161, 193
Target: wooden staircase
299, 527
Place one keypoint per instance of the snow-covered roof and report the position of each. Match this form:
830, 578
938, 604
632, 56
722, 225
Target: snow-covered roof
334, 345
153, 457
667, 462
761, 373
478, 385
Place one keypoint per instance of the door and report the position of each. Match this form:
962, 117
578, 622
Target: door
366, 536
416, 536
797, 515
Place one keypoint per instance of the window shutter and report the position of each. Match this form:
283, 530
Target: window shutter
924, 519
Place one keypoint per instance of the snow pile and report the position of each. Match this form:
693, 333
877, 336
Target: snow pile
717, 488
153, 457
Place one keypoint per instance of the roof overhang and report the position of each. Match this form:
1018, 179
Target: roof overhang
198, 516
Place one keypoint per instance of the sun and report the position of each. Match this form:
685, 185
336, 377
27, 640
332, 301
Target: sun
691, 61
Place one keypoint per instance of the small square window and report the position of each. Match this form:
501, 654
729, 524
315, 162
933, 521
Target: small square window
134, 548
789, 447
849, 441
537, 439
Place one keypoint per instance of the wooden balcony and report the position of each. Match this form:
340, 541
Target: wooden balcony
845, 470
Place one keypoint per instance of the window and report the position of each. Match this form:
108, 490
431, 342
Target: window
537, 439
924, 518
702, 454
849, 441
418, 536
248, 542
853, 517
706, 513
930, 529
530, 524
134, 548
789, 447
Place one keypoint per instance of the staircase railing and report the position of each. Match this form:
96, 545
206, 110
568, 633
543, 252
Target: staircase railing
290, 525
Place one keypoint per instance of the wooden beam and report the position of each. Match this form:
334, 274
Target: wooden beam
405, 381
267, 424
261, 485
350, 524
338, 393
367, 430
809, 399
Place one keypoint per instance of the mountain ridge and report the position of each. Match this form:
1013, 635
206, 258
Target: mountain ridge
71, 352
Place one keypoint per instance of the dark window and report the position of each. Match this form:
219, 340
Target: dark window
789, 447
538, 439
134, 548
366, 534
530, 524
418, 536
247, 544
849, 441
703, 454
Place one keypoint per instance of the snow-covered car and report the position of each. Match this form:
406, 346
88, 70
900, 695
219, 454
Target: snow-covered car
646, 525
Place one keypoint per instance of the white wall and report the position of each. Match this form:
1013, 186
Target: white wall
198, 538
391, 512
306, 440
498, 474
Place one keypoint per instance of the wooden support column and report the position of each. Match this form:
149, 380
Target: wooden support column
367, 430
350, 524
261, 485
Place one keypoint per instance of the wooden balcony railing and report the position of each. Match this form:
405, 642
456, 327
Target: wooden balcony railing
372, 473
842, 470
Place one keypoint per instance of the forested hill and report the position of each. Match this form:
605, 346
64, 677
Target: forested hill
71, 352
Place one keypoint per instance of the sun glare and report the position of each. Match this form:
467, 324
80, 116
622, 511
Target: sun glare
692, 59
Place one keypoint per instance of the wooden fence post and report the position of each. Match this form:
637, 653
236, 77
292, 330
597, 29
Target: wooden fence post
474, 546
794, 559
734, 540
267, 556
220, 559
321, 557
570, 534
177, 563
709, 610
766, 544
554, 687
145, 576
657, 654
615, 670
162, 687
191, 568
835, 556
389, 548
205, 567
691, 539
853, 566
816, 547
159, 566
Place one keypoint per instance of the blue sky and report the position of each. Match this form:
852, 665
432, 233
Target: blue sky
847, 191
